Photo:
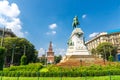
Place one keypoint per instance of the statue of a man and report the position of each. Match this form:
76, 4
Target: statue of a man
75, 22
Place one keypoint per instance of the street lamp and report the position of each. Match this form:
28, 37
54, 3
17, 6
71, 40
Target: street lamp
45, 58
13, 54
2, 39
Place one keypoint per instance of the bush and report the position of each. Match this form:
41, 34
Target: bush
61, 74
23, 60
110, 58
30, 67
34, 70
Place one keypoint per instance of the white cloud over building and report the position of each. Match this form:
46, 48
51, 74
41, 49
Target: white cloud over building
93, 34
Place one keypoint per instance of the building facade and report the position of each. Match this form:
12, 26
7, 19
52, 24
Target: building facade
113, 38
6, 32
50, 54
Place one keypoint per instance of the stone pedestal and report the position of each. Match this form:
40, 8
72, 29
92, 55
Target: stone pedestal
76, 44
76, 48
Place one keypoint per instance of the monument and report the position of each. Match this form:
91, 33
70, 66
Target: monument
76, 45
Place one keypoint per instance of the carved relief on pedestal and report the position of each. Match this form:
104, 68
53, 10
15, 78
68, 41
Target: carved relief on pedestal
76, 43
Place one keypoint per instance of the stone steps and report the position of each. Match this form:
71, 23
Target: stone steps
97, 61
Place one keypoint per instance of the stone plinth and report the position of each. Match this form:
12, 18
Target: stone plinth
76, 48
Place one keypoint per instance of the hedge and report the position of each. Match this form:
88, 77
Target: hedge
60, 74
30, 67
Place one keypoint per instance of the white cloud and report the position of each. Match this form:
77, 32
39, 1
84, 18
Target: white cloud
26, 32
84, 16
93, 34
53, 26
51, 33
9, 17
41, 51
60, 51
47, 33
9, 10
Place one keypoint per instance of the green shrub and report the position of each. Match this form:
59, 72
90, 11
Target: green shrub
34, 70
23, 60
110, 58
29, 67
61, 74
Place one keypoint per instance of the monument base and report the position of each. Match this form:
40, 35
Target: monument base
80, 60
86, 58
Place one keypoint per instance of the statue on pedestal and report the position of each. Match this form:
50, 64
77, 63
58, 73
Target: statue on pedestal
75, 43
77, 49
75, 22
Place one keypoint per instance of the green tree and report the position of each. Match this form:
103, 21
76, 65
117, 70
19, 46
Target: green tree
43, 59
57, 59
23, 60
21, 45
106, 49
2, 56
93, 51
35, 57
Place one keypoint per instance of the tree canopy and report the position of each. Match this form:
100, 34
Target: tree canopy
58, 58
106, 49
20, 46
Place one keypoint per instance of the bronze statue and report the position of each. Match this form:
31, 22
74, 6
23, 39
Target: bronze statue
75, 22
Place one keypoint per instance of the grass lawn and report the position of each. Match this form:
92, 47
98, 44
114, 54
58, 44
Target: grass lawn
63, 78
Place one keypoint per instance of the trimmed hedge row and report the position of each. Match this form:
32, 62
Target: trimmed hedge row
61, 74
29, 67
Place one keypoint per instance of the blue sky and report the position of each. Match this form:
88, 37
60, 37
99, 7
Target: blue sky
42, 21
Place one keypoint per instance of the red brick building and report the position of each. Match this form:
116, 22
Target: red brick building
50, 54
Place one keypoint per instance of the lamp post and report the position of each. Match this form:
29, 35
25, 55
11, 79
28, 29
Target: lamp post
13, 54
2, 39
45, 58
